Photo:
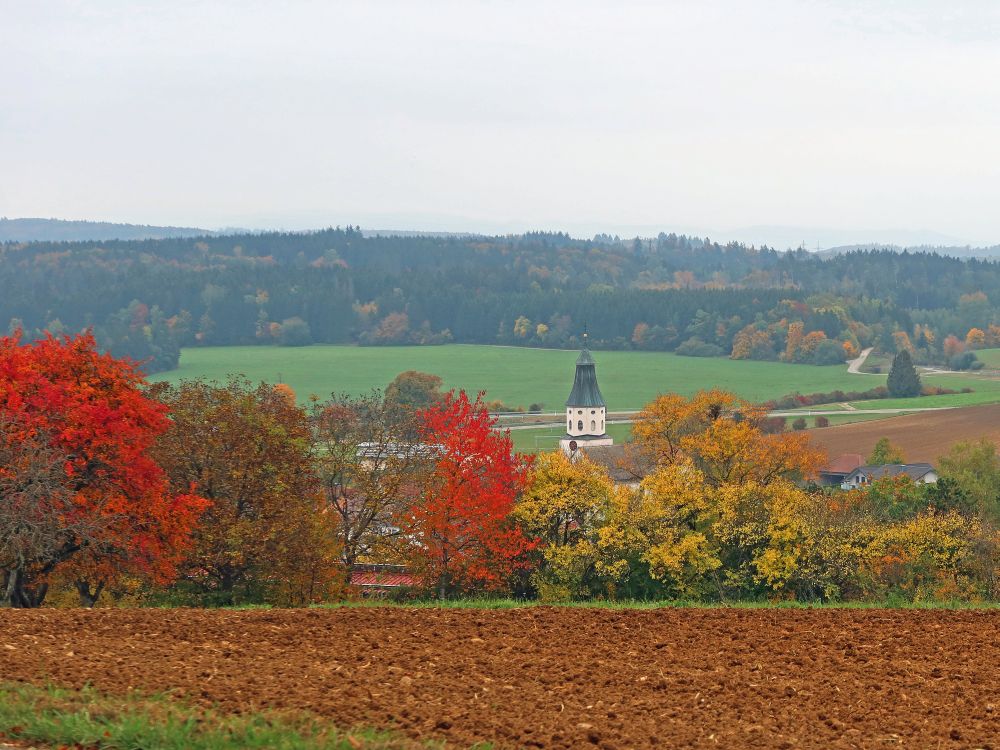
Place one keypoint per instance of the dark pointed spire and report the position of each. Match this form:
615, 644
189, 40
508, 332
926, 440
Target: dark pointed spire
585, 389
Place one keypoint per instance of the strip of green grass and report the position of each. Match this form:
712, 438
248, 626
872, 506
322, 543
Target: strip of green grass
87, 718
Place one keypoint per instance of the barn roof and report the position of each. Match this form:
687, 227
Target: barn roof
624, 464
844, 465
381, 576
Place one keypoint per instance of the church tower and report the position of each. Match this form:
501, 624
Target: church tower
586, 411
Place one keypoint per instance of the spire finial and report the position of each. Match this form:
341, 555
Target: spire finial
586, 336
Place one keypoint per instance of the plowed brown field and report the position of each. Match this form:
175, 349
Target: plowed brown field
553, 677
923, 437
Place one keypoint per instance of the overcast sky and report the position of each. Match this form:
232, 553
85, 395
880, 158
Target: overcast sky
877, 118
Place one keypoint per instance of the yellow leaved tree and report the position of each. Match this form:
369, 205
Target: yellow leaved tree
721, 511
563, 502
662, 531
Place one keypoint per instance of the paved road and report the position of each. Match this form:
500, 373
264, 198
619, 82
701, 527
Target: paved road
854, 366
809, 413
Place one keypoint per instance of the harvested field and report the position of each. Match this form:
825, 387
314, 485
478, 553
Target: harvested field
923, 437
552, 677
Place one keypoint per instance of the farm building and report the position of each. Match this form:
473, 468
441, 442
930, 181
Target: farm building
836, 472
375, 581
865, 475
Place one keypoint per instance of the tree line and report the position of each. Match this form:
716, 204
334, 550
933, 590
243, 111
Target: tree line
147, 299
217, 494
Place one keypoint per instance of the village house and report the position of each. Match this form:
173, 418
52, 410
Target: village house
836, 472
864, 475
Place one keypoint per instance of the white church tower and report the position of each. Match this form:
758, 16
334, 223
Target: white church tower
586, 411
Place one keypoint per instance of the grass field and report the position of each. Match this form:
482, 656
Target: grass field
518, 376
990, 356
521, 376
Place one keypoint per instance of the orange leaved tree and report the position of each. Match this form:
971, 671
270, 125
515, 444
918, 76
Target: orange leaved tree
268, 535
460, 528
79, 493
722, 435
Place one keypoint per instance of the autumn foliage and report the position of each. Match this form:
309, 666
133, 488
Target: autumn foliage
81, 495
722, 435
267, 535
721, 510
460, 526
207, 493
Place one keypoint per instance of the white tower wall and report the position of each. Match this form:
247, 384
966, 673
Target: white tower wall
583, 421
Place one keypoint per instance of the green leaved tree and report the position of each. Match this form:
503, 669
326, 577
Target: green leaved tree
884, 453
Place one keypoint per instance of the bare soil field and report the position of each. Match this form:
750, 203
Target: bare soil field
923, 437
551, 677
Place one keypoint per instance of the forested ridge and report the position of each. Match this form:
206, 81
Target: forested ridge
146, 299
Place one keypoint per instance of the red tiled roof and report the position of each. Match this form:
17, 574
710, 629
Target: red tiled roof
382, 580
845, 464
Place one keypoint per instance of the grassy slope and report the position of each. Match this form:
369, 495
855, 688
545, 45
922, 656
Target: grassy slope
990, 356
518, 376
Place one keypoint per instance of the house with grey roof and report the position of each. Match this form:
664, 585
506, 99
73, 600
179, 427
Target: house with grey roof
863, 476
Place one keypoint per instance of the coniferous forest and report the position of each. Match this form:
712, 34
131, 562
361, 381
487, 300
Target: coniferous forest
147, 298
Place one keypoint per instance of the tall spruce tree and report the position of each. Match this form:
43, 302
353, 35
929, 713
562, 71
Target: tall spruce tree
903, 379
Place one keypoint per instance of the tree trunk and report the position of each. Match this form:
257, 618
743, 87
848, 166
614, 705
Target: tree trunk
17, 595
88, 598
9, 585
226, 585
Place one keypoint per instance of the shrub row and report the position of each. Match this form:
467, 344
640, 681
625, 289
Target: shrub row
795, 400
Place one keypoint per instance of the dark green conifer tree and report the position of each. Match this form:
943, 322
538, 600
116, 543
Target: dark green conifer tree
903, 379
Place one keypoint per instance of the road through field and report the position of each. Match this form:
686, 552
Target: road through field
551, 677
797, 413
855, 365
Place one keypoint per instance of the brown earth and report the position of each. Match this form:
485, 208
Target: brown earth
552, 677
923, 437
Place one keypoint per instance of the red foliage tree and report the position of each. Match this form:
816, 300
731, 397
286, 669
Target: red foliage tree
78, 492
460, 526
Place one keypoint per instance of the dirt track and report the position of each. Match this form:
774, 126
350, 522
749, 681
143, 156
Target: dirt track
923, 437
544, 677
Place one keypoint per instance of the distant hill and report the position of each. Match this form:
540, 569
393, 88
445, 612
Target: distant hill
952, 251
58, 230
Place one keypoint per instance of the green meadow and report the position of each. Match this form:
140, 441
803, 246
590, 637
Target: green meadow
991, 357
522, 376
